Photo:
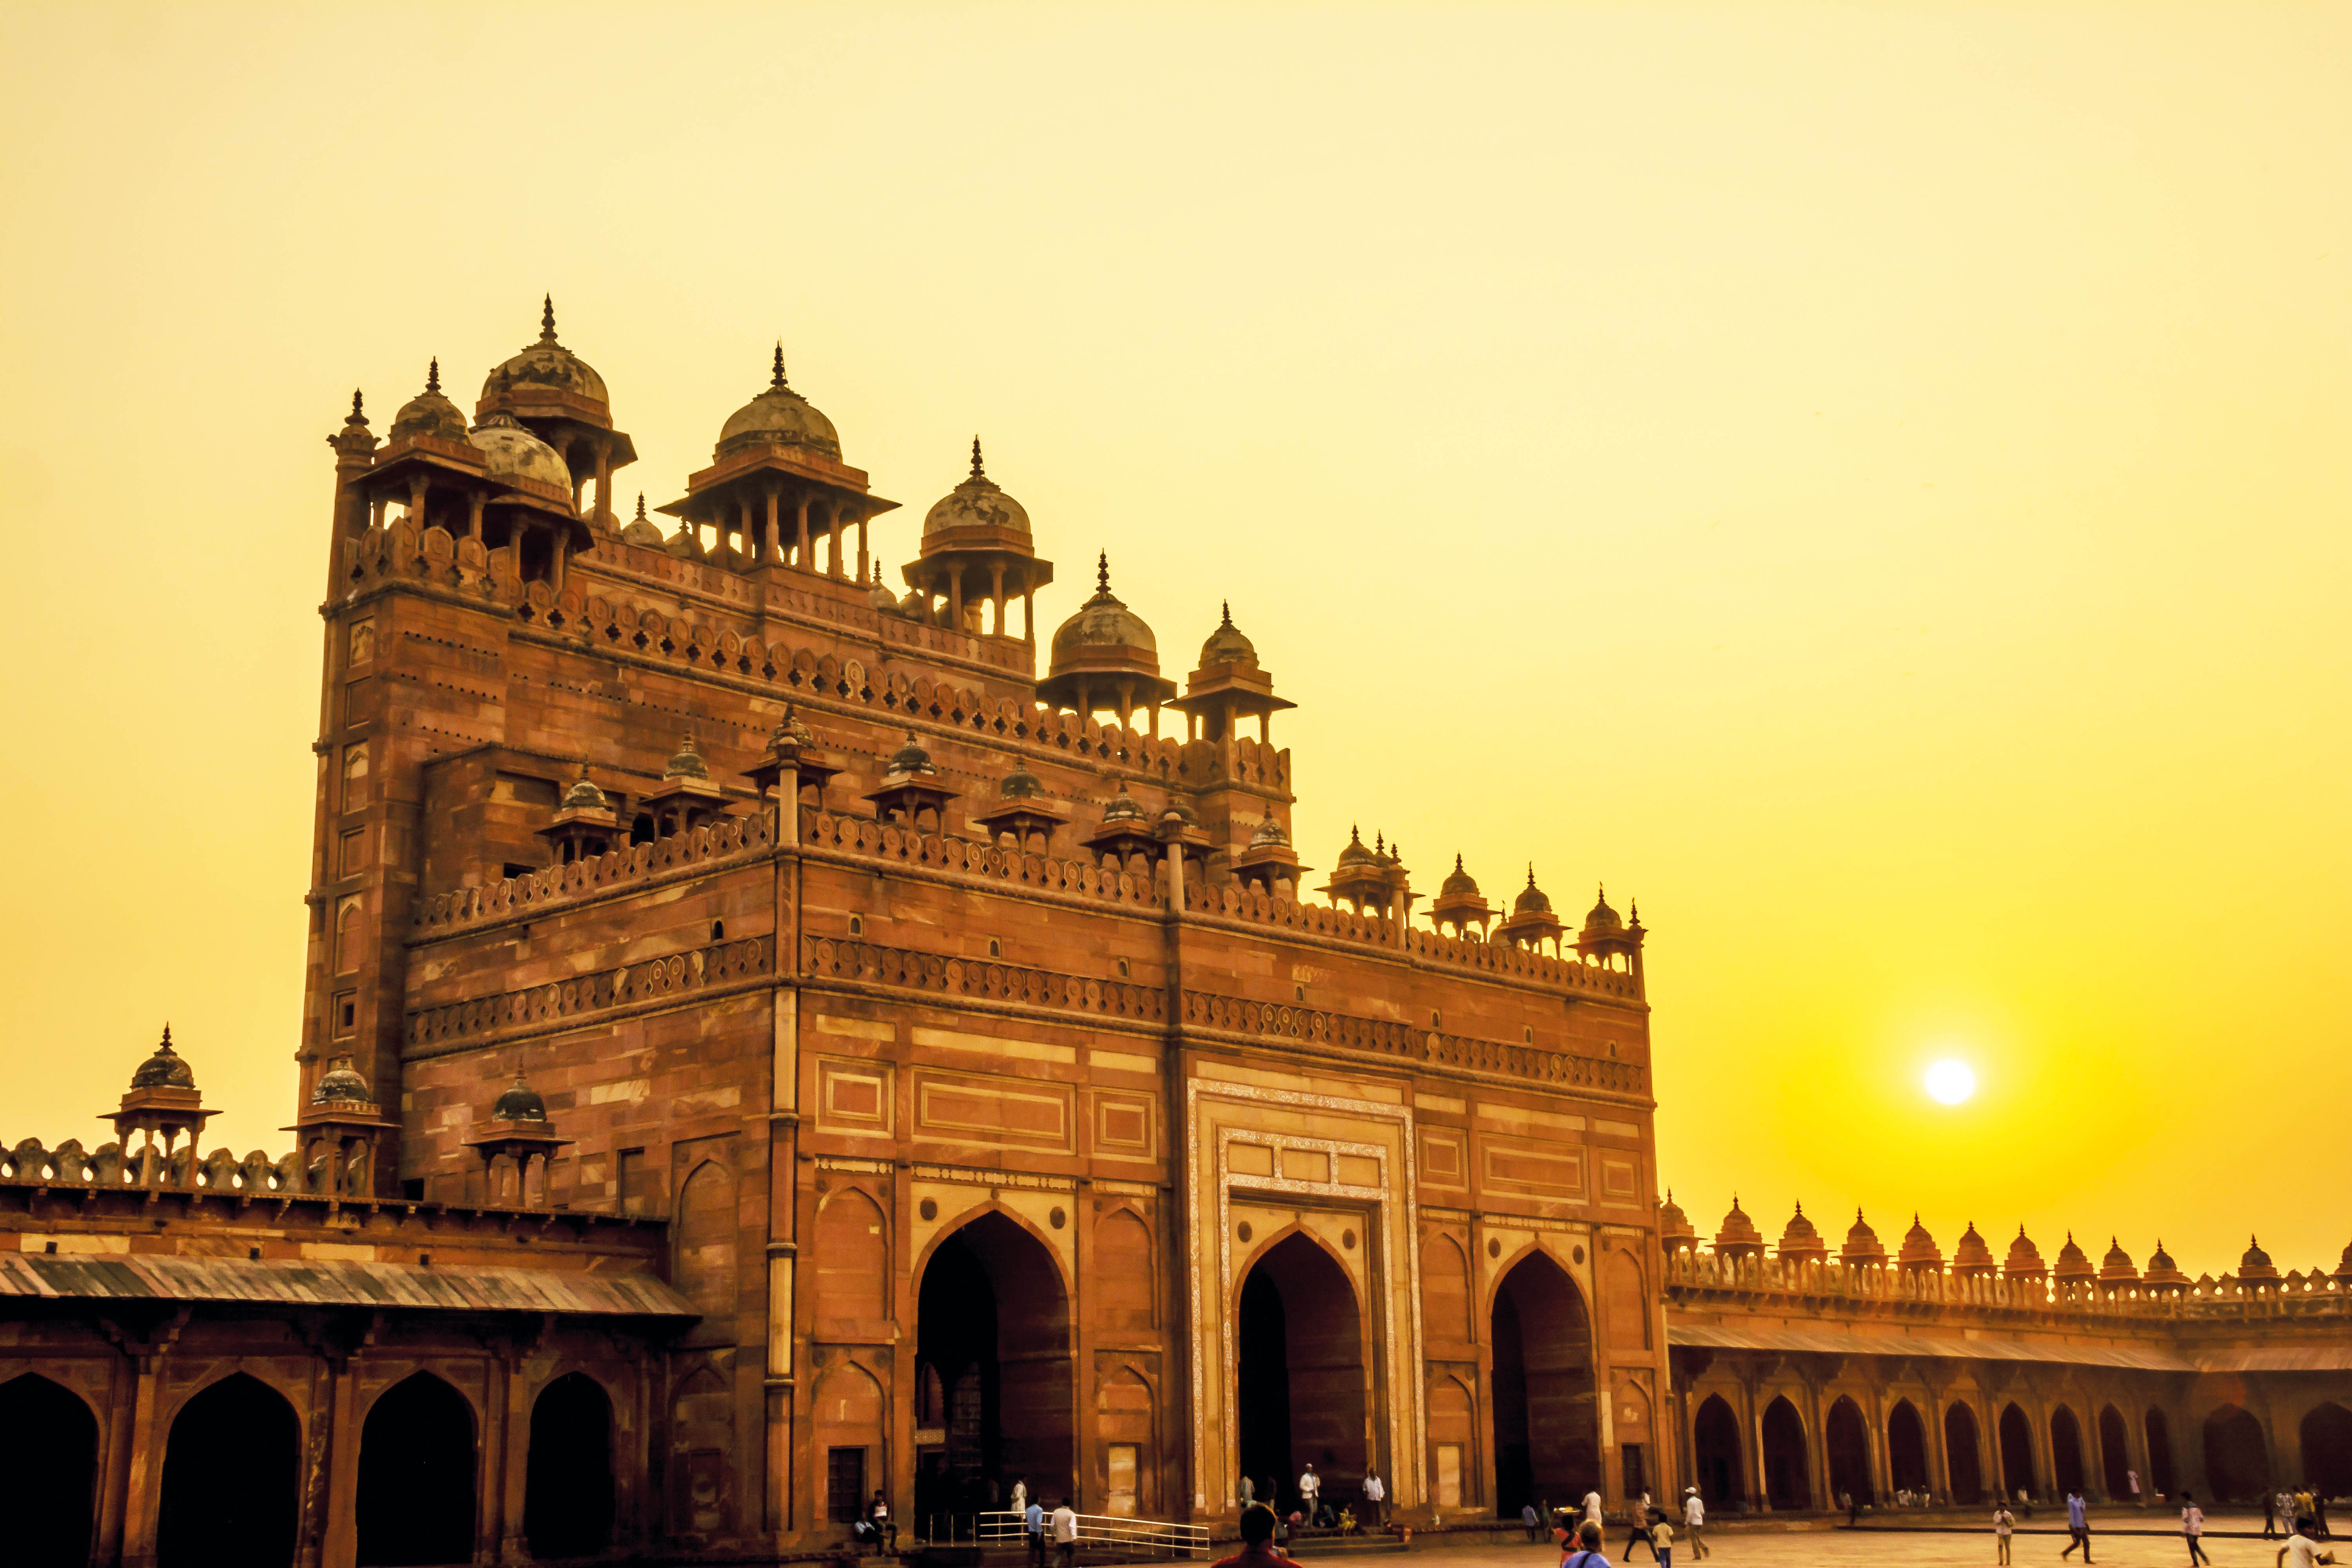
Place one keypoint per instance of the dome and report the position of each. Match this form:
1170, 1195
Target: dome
1602, 918
1227, 646
2024, 1259
1269, 836
910, 758
1919, 1250
584, 794
975, 503
1672, 1221
1972, 1252
789, 730
1801, 1239
2162, 1270
1458, 884
1862, 1244
878, 593
520, 1102
2256, 1263
780, 416
340, 1082
2073, 1263
640, 530
2343, 1263
1355, 854
2117, 1267
164, 1069
546, 364
1122, 807
1021, 784
1103, 622
687, 764
685, 543
1531, 900
430, 414
1738, 1230
509, 451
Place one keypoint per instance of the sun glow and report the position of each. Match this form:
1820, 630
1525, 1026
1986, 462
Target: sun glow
1950, 1081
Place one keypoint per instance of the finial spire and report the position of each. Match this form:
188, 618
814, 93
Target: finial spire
1457, 866
433, 374
977, 472
1229, 612
358, 411
1102, 571
1531, 873
776, 381
547, 320
641, 506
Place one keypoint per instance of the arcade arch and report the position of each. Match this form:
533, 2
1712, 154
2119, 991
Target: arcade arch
2160, 1450
992, 1324
1715, 1453
2066, 1451
1907, 1448
1301, 1371
1961, 1451
49, 1463
1848, 1450
2237, 1460
2325, 1433
232, 1471
415, 1498
2114, 1458
1546, 1426
567, 1501
1786, 1485
2016, 1435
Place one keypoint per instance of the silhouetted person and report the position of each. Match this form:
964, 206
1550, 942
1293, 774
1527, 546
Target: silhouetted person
2192, 1527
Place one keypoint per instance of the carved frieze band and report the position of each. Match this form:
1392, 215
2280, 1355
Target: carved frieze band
932, 972
632, 985
1384, 1038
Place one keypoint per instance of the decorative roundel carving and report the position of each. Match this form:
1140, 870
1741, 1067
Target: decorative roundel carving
1493, 1247
1243, 1230
1580, 1255
1347, 1239
1059, 1217
928, 1209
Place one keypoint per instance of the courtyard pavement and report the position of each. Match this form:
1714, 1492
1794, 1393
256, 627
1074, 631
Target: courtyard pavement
2036, 1546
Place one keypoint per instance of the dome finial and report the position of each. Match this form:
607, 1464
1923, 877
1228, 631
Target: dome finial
433, 374
641, 506
977, 472
777, 379
1228, 606
359, 412
547, 320
1531, 873
1102, 571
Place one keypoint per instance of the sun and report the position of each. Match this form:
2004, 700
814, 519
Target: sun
1950, 1081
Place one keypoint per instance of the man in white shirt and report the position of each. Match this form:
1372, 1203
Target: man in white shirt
1066, 1533
1593, 1508
1020, 1494
1694, 1522
2301, 1550
1310, 1490
1376, 1495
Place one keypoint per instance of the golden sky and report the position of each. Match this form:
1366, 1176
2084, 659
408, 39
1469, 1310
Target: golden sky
1870, 482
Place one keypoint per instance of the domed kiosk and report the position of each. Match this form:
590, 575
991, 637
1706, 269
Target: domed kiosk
1105, 659
558, 397
977, 550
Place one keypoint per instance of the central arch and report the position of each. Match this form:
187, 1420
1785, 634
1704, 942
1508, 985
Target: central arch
2066, 1451
567, 1496
1300, 1373
1714, 1449
2160, 1450
993, 1325
1849, 1445
232, 1469
1960, 1454
2237, 1460
48, 1472
415, 1498
2327, 1437
1546, 1430
1786, 1485
1907, 1448
2115, 1459
2016, 1435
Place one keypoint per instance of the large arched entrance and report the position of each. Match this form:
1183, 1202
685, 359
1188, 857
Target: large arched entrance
2016, 1435
1547, 1428
232, 1474
48, 1472
1298, 1336
2115, 1459
1786, 1485
1907, 1448
2160, 1450
2326, 1434
2237, 1460
1849, 1444
2066, 1451
1714, 1450
1960, 1450
567, 1498
993, 1325
415, 1502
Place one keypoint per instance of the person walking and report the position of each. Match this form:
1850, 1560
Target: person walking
1694, 1522
2132, 1476
1376, 1498
1583, 1548
1257, 1541
2004, 1525
2078, 1526
2319, 1514
2270, 1515
1020, 1494
2302, 1548
1248, 1493
1065, 1534
1033, 1524
2192, 1527
1662, 1538
1593, 1508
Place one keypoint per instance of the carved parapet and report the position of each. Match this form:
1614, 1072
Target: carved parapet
729, 837
462, 1024
111, 1167
1133, 882
822, 959
1386, 1037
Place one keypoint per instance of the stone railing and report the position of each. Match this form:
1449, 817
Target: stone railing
1511, 962
1136, 883
984, 979
1233, 902
1690, 1269
146, 1168
1386, 1037
724, 840
698, 968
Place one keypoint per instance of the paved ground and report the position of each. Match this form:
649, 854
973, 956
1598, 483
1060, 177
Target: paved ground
1882, 1547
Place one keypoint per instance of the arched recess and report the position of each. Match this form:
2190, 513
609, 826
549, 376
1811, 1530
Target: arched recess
48, 1472
847, 1442
1625, 1302
415, 1496
2016, 1435
1123, 1407
1444, 1290
851, 1254
993, 1317
232, 1475
1452, 1444
567, 1502
2114, 1455
1961, 1439
1786, 1485
2160, 1450
1126, 1285
702, 1435
2066, 1469
1547, 1420
1847, 1438
1301, 1381
703, 1236
1714, 1449
2325, 1433
2237, 1460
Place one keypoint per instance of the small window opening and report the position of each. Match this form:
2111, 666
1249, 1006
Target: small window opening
347, 1014
253, 1253
514, 870
1527, 1033
1613, 1048
412, 1189
995, 948
719, 931
1433, 1018
641, 829
1298, 993
52, 1246
857, 926
1123, 971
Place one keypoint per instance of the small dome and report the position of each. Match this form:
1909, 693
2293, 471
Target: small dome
1458, 884
2072, 1263
910, 758
1800, 1239
1122, 807
1227, 646
780, 416
640, 530
2024, 1259
685, 543
429, 414
1269, 836
1862, 1244
164, 1069
1531, 900
520, 1102
790, 730
546, 364
1602, 918
1972, 1252
878, 593
1920, 1248
687, 764
341, 1082
2162, 1270
2343, 1263
1672, 1221
1021, 784
2117, 1266
584, 794
975, 503
1102, 622
2255, 1261
1738, 1230
512, 452
1355, 854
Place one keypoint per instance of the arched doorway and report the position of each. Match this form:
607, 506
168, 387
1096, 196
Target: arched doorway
2115, 1459
1298, 1336
2016, 1434
1786, 1485
232, 1470
1714, 1450
1907, 1448
2237, 1460
2066, 1451
415, 1502
2160, 1450
1546, 1424
1960, 1452
2326, 1433
567, 1498
48, 1472
993, 1320
1849, 1443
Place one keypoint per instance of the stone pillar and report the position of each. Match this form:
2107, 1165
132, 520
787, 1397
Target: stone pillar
474, 516
1028, 616
801, 510
604, 481
505, 1482
862, 566
833, 550
144, 1473
771, 546
114, 1467
341, 1547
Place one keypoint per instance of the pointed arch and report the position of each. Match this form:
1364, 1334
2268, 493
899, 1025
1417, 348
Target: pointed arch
849, 1438
1907, 1448
1452, 1443
2158, 1432
1301, 1372
414, 1502
993, 1318
1626, 1301
2114, 1455
1962, 1448
702, 1435
49, 1456
2015, 1433
1124, 1406
1444, 1289
1544, 1416
1715, 1451
2324, 1433
851, 1253
567, 1508
1848, 1437
703, 1232
1787, 1486
2237, 1460
2066, 1472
